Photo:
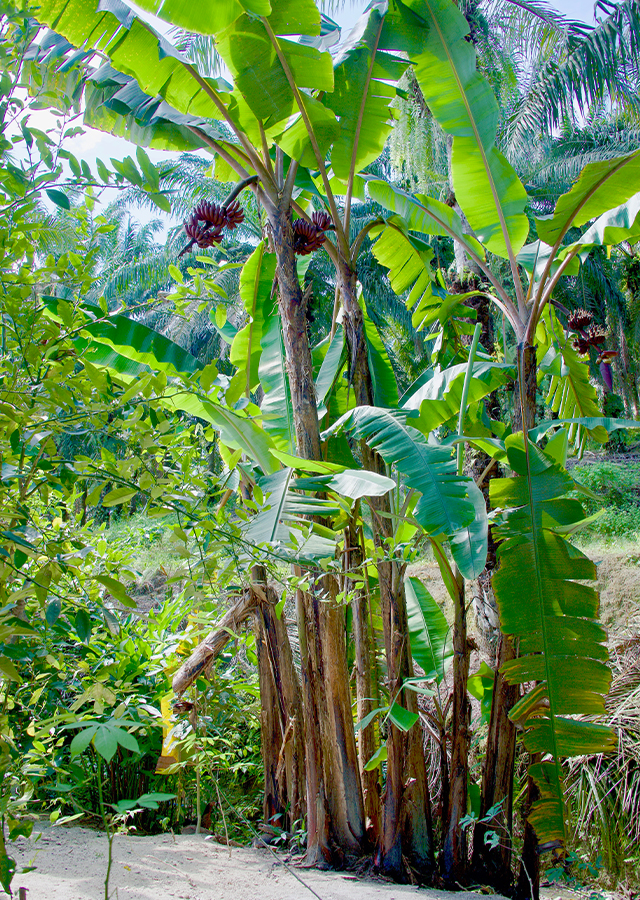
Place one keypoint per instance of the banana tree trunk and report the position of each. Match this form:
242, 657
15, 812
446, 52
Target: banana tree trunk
492, 865
454, 852
406, 819
524, 413
528, 884
627, 375
281, 720
334, 793
365, 689
497, 781
406, 824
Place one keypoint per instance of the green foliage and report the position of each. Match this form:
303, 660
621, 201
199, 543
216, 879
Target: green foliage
617, 501
104, 415
447, 506
561, 645
429, 631
486, 187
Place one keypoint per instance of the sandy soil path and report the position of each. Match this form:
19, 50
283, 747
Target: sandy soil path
71, 864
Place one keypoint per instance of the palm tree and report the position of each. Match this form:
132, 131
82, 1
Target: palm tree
564, 89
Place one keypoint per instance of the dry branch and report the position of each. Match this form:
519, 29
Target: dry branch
214, 643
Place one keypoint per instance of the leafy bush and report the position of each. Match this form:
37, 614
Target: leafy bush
618, 490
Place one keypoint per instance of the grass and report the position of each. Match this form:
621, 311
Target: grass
149, 541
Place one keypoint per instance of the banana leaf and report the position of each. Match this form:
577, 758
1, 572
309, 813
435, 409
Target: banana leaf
438, 394
365, 78
276, 408
600, 187
332, 365
256, 284
236, 430
385, 386
544, 604
125, 345
462, 102
423, 213
571, 394
446, 506
592, 422
614, 226
429, 631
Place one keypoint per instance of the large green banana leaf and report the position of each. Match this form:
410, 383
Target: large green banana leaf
429, 631
107, 342
276, 408
247, 49
237, 431
438, 394
423, 213
140, 344
535, 256
289, 500
591, 422
301, 17
446, 505
133, 48
600, 187
206, 18
544, 603
461, 100
350, 483
385, 386
409, 258
614, 226
256, 285
332, 365
114, 103
365, 78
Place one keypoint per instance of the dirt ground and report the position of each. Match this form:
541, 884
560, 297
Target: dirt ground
71, 863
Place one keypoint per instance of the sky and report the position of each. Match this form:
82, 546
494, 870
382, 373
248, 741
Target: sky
94, 143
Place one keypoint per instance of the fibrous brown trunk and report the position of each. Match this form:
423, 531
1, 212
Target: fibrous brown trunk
528, 884
454, 852
335, 816
282, 728
627, 375
406, 824
406, 836
207, 650
525, 393
493, 864
281, 718
367, 744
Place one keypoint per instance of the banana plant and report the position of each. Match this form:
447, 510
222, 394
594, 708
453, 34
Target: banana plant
306, 125
493, 201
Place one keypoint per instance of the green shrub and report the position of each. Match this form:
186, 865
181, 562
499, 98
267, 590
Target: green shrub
618, 497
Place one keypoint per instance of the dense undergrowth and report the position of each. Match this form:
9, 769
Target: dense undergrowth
117, 674
617, 501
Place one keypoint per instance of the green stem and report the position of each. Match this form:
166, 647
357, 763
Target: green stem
465, 394
198, 809
106, 828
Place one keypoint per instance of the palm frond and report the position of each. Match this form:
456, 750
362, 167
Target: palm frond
596, 65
